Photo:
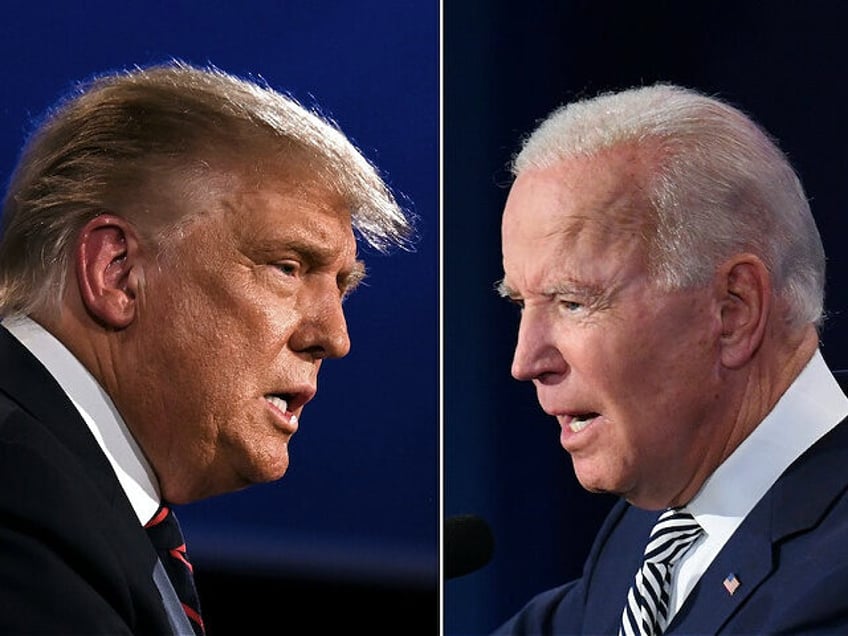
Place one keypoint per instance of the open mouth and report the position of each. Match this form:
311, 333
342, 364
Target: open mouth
281, 402
580, 421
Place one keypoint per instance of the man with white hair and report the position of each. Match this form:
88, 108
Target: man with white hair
671, 284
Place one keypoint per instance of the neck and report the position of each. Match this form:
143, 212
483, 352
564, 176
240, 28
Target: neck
751, 393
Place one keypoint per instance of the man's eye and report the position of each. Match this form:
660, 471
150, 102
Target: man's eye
518, 302
570, 305
289, 268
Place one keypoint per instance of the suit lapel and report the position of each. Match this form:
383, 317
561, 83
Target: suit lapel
25, 381
789, 508
747, 558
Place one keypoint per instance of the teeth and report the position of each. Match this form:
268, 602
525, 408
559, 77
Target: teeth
278, 402
580, 422
578, 425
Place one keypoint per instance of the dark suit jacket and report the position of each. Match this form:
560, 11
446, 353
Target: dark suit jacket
73, 557
790, 555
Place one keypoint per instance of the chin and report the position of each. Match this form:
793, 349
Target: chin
276, 475
594, 487
597, 483
267, 469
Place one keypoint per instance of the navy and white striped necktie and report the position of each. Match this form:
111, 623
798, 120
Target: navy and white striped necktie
647, 601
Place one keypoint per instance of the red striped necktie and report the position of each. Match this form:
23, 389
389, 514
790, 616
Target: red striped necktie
165, 534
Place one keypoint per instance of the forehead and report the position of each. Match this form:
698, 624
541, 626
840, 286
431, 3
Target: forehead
273, 203
605, 192
581, 211
300, 205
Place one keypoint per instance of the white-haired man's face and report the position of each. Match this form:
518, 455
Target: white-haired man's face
630, 371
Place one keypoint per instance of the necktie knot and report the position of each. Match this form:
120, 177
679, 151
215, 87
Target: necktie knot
646, 610
164, 530
675, 530
165, 535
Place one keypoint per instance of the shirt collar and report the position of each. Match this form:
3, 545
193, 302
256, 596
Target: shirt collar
812, 405
98, 411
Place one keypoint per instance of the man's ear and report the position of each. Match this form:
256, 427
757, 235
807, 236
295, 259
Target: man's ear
109, 270
746, 302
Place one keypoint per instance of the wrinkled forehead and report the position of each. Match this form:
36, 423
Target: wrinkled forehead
253, 201
290, 199
600, 200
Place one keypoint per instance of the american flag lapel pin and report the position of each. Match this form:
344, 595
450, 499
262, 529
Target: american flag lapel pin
731, 583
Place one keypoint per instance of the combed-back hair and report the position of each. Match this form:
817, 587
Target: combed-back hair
718, 183
119, 134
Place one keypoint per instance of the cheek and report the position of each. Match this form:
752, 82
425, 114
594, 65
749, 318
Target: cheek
200, 348
623, 361
231, 322
638, 381
670, 347
665, 387
692, 353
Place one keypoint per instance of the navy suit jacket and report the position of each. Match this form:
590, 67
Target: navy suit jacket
73, 557
789, 555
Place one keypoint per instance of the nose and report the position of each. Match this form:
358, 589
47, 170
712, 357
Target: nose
322, 331
536, 355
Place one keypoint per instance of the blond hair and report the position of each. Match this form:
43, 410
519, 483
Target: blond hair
117, 132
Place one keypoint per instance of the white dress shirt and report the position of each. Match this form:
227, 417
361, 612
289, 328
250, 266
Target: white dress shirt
97, 409
812, 405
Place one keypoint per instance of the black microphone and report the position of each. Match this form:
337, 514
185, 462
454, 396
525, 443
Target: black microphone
468, 545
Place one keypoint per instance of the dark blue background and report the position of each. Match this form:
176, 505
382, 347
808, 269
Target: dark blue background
359, 507
508, 65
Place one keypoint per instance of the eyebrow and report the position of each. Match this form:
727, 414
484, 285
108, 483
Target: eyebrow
348, 281
558, 289
319, 255
504, 290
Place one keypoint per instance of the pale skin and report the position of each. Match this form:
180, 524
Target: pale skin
211, 351
652, 388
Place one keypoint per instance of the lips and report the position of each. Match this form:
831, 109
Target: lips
292, 398
576, 422
282, 405
288, 403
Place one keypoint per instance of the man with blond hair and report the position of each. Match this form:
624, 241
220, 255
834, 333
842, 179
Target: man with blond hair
176, 246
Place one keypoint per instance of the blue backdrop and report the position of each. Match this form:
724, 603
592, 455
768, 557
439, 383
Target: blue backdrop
506, 67
361, 499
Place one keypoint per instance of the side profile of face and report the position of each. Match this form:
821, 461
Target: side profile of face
630, 371
234, 321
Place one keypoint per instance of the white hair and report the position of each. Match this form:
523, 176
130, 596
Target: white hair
718, 183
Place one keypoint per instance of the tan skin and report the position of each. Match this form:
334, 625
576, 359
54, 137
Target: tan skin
191, 345
653, 389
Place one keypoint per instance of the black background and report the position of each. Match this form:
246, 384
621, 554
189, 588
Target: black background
509, 64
